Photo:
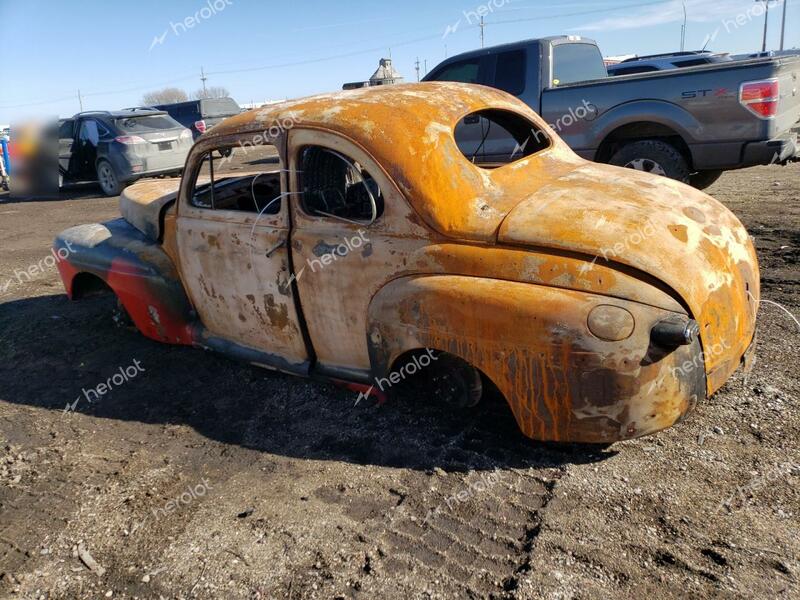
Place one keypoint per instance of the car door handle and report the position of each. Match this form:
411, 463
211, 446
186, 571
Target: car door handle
275, 248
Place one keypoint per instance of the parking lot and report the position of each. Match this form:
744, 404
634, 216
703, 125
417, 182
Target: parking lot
192, 476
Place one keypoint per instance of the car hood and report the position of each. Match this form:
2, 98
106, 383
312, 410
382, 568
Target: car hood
668, 232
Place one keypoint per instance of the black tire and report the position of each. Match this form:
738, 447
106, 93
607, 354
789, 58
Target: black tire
653, 156
455, 382
108, 179
121, 317
704, 179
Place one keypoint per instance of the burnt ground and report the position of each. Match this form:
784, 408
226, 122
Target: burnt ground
203, 478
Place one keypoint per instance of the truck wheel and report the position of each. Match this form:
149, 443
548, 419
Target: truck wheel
653, 156
703, 179
107, 179
455, 382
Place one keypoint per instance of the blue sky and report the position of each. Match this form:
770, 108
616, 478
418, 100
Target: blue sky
114, 51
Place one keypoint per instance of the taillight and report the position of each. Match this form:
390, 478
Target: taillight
760, 97
200, 126
129, 139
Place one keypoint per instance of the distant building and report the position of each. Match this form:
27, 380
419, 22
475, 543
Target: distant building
385, 75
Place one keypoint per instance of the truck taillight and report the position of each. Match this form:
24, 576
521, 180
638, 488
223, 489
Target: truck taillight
200, 126
760, 97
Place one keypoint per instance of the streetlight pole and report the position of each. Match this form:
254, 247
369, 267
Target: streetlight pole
783, 23
766, 24
683, 28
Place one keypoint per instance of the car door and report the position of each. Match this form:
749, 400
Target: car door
66, 141
86, 156
232, 236
342, 256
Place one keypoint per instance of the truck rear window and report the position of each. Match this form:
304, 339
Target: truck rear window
219, 107
577, 62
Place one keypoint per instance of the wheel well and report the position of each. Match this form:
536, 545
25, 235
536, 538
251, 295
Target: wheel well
87, 284
407, 357
642, 130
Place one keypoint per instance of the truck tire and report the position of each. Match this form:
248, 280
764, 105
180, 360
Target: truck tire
703, 179
107, 178
653, 156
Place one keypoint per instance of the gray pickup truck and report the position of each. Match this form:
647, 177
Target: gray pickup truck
690, 124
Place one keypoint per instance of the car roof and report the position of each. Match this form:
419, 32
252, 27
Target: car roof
408, 129
553, 39
119, 114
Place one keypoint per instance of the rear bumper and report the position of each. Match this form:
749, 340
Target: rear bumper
777, 151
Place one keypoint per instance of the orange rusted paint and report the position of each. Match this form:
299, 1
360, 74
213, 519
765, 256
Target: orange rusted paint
500, 267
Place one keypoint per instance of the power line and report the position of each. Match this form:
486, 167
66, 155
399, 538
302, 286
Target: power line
335, 56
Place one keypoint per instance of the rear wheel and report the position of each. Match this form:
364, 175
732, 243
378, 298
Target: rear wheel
653, 156
703, 179
107, 179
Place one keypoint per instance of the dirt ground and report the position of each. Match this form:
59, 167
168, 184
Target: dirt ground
203, 478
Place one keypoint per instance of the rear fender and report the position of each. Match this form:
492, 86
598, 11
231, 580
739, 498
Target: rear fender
139, 272
534, 343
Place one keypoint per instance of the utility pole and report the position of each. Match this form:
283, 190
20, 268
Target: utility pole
683, 28
203, 79
417, 66
766, 24
80, 101
783, 23
483, 25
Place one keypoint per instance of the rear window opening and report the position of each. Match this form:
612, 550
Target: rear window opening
147, 123
336, 186
243, 178
493, 138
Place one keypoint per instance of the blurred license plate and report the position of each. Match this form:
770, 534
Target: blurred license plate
165, 145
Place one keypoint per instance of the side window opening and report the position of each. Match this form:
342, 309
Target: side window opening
244, 178
333, 185
509, 73
493, 138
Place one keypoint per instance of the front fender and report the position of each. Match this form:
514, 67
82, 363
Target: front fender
562, 382
138, 271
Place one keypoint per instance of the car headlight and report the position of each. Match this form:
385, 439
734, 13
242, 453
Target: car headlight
186, 134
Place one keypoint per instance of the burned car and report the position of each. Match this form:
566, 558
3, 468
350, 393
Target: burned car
350, 236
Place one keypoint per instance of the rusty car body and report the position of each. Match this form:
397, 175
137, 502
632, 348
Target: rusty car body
601, 302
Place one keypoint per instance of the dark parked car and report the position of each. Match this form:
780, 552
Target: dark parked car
690, 124
201, 115
117, 148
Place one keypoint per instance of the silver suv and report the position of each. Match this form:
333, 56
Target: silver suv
117, 148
